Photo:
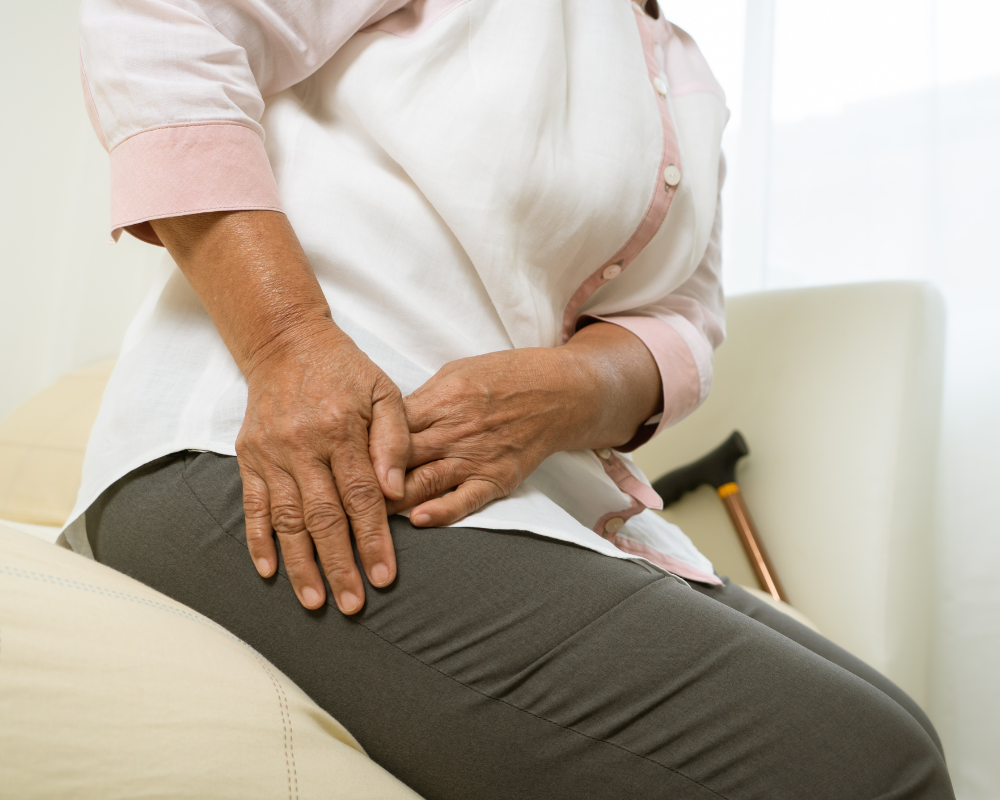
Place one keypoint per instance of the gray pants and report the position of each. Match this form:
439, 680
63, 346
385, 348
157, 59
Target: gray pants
504, 665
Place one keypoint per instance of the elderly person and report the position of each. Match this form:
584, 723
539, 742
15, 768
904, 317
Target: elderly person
439, 266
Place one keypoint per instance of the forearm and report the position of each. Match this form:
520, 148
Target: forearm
251, 274
616, 385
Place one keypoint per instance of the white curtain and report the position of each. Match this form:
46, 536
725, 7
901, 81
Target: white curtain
865, 145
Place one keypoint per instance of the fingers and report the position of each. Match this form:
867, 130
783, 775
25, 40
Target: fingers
257, 510
428, 481
389, 440
324, 518
296, 543
468, 498
363, 501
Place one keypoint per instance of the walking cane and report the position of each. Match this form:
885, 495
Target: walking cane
718, 469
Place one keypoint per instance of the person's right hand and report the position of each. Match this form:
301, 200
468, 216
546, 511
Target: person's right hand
325, 438
324, 441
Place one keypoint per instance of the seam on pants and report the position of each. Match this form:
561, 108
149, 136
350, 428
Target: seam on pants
328, 603
516, 679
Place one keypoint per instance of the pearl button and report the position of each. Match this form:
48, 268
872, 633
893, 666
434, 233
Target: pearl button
671, 175
614, 525
604, 454
612, 272
660, 86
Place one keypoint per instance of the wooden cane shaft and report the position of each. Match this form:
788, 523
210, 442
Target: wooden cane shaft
742, 521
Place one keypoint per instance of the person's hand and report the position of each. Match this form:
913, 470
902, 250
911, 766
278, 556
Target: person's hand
481, 425
324, 441
325, 438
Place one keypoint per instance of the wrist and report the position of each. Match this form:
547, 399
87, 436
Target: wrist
583, 406
619, 382
302, 332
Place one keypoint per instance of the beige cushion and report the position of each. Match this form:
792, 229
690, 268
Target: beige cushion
42, 444
109, 689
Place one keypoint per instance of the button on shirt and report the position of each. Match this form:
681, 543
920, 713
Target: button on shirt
465, 176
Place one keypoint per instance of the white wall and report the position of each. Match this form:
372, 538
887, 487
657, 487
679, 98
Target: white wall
66, 295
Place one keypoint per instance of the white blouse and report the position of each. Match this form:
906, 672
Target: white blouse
466, 176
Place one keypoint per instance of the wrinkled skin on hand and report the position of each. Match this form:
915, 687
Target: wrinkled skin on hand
481, 425
324, 440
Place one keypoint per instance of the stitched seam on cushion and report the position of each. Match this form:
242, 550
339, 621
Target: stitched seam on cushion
290, 766
287, 726
286, 714
68, 583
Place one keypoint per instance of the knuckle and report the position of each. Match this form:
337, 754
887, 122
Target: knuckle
424, 482
323, 517
331, 415
298, 565
255, 506
436, 480
339, 570
390, 392
362, 498
287, 518
371, 550
340, 428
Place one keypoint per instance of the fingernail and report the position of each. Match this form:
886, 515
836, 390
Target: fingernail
421, 519
264, 567
380, 574
395, 478
310, 596
349, 602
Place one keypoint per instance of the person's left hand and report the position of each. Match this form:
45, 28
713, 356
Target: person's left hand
482, 425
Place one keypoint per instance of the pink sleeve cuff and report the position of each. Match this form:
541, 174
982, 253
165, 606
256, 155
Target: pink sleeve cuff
679, 374
188, 169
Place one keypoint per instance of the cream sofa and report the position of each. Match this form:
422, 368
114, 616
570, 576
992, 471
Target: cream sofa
108, 689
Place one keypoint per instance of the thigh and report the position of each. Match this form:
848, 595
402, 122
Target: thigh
737, 598
503, 665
